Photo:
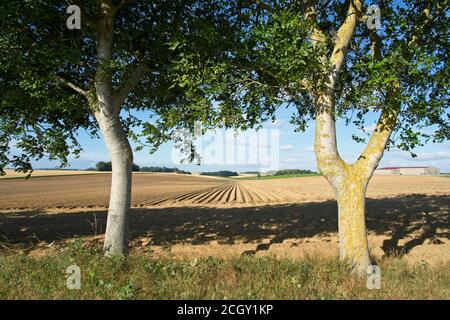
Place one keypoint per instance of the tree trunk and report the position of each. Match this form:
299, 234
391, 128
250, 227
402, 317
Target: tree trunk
106, 108
349, 183
116, 236
353, 245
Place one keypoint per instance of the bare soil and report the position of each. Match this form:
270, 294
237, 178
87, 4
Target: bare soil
190, 216
45, 173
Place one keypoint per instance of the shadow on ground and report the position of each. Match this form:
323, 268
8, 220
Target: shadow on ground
418, 216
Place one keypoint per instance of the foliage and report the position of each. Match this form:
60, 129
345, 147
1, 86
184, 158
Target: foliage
42, 115
106, 166
293, 171
270, 62
228, 63
38, 116
163, 169
224, 173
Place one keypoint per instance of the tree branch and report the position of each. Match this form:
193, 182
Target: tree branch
310, 14
73, 86
123, 3
374, 150
263, 5
343, 38
136, 75
329, 162
372, 154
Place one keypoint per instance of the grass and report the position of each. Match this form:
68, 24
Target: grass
284, 176
143, 277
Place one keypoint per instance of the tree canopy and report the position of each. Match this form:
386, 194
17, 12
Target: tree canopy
48, 73
277, 58
220, 62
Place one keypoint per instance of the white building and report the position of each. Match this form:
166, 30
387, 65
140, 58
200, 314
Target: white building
408, 171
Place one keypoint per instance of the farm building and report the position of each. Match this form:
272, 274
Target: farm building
408, 171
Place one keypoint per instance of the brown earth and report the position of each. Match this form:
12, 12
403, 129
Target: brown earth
45, 173
190, 216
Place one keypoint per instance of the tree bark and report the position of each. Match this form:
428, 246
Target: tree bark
349, 183
106, 108
105, 104
116, 236
353, 245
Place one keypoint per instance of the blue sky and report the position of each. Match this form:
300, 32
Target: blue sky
293, 150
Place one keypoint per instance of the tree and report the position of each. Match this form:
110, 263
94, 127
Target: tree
135, 168
329, 60
107, 166
103, 166
223, 173
55, 82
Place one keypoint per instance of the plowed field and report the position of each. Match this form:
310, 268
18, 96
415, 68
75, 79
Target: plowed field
197, 216
165, 190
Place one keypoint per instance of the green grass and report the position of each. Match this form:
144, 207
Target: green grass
284, 176
143, 277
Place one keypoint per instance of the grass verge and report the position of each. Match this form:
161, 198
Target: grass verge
144, 277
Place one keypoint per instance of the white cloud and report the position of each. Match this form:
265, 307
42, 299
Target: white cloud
370, 128
427, 156
287, 147
421, 156
299, 162
439, 159
309, 149
289, 160
277, 124
93, 156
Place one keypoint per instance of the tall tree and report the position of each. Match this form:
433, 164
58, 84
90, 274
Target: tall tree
332, 59
55, 81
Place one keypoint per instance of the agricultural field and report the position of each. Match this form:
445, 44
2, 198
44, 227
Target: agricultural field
11, 174
188, 216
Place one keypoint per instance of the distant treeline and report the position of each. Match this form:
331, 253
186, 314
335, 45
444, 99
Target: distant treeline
106, 166
220, 173
163, 169
293, 171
